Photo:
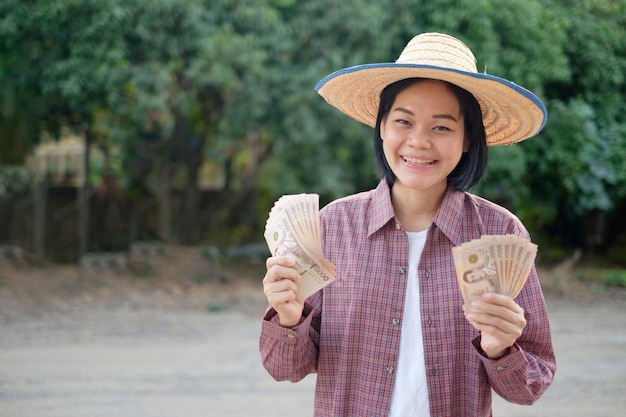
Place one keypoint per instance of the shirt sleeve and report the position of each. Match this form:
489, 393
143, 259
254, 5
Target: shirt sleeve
524, 374
290, 354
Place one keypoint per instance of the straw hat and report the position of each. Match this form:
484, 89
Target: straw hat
510, 112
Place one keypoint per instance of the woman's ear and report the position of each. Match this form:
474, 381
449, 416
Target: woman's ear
381, 129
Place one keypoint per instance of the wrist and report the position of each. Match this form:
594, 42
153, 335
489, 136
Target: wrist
497, 355
288, 324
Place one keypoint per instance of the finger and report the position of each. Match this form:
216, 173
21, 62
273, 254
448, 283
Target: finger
497, 326
507, 328
280, 260
279, 279
279, 272
497, 337
495, 314
278, 298
280, 286
498, 299
494, 303
497, 309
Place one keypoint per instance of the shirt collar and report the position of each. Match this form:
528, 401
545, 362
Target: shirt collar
448, 218
382, 210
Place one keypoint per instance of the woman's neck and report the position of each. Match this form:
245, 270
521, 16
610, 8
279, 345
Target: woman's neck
414, 209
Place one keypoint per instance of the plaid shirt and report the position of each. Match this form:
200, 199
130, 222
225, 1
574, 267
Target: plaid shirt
350, 331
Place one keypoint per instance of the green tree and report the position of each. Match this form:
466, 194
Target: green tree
575, 169
316, 148
567, 183
167, 82
170, 84
59, 71
194, 75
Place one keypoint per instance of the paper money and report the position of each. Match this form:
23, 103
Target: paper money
494, 263
293, 229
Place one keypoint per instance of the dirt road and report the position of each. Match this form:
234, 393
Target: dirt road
184, 351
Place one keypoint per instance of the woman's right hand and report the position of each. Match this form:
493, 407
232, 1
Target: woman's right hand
281, 289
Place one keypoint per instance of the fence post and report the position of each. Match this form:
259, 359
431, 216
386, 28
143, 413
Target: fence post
83, 198
40, 197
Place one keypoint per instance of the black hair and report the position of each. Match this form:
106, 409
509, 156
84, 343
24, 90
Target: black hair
473, 163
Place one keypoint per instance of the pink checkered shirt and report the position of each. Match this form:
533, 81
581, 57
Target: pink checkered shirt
350, 332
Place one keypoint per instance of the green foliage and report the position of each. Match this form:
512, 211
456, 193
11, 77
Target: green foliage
161, 85
575, 157
72, 46
574, 169
14, 181
519, 40
315, 147
610, 277
596, 50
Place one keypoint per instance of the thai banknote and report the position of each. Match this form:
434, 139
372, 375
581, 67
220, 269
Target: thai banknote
493, 263
293, 229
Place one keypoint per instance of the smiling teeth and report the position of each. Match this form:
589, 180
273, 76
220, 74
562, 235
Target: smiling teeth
414, 161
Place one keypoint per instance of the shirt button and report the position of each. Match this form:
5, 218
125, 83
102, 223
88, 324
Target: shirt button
427, 274
433, 370
500, 368
291, 336
395, 322
429, 321
390, 369
401, 270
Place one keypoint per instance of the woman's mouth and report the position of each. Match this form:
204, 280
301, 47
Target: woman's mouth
418, 162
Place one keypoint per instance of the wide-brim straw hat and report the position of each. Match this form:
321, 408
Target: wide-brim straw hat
510, 112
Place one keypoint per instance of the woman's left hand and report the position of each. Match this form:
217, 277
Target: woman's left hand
500, 322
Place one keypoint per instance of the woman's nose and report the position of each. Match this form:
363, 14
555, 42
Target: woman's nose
418, 138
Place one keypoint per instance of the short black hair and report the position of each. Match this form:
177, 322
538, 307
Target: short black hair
473, 163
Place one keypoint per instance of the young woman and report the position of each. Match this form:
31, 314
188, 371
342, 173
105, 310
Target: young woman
390, 337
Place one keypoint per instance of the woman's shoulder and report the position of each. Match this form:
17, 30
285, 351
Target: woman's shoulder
349, 205
483, 204
358, 199
493, 215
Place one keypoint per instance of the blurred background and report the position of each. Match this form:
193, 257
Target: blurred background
126, 125
143, 143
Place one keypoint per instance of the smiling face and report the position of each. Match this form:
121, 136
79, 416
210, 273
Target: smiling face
423, 136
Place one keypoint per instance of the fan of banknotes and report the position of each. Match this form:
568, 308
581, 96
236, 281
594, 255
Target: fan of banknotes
293, 229
493, 263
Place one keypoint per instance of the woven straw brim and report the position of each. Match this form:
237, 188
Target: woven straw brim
510, 112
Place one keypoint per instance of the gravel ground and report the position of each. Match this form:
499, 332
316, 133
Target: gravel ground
187, 347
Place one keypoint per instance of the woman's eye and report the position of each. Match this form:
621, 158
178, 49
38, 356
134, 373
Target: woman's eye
442, 128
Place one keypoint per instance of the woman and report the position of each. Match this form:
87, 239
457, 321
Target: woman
389, 337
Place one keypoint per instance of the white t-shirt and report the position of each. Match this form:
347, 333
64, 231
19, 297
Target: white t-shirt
409, 397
